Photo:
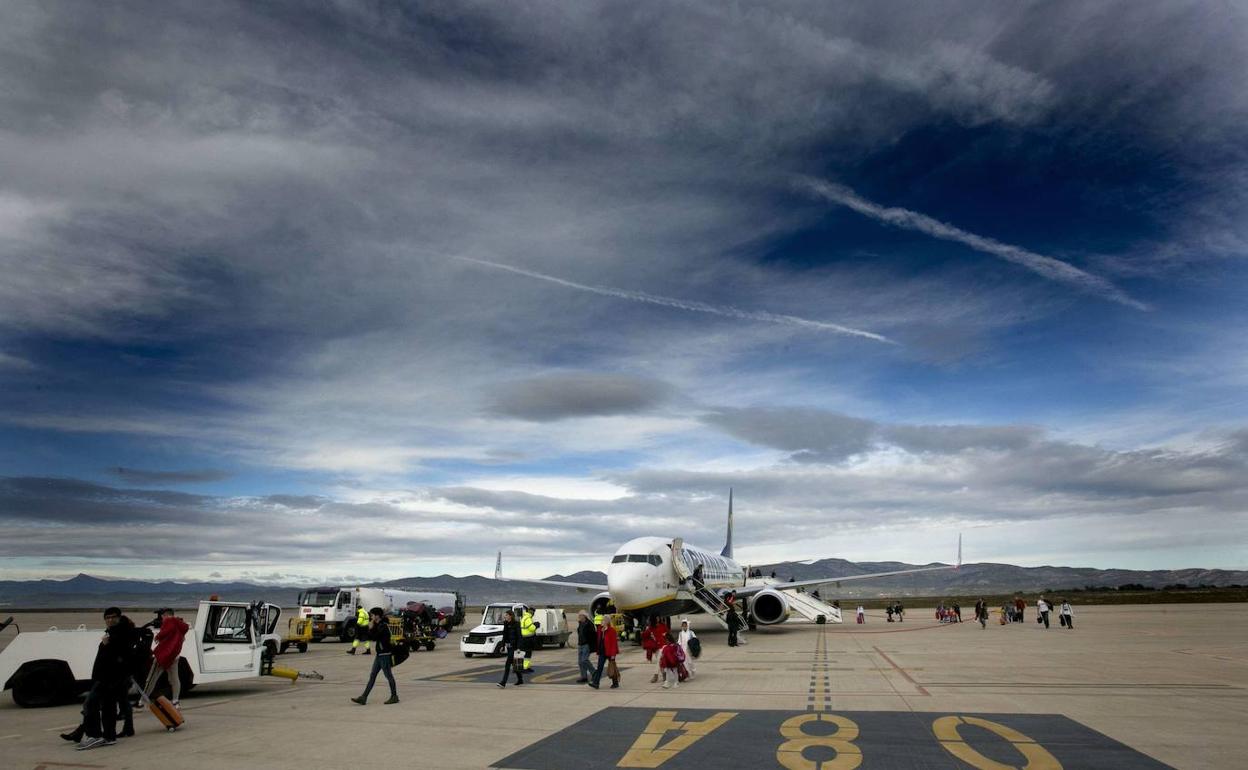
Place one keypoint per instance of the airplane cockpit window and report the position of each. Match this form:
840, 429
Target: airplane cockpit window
654, 559
619, 557
639, 557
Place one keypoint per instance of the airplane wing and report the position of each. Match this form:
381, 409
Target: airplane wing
753, 589
582, 587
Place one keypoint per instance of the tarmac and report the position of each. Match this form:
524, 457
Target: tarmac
1130, 687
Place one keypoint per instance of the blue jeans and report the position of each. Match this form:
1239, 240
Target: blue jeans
381, 663
582, 661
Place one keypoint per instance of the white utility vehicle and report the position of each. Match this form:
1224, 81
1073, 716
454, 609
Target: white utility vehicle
487, 638
228, 641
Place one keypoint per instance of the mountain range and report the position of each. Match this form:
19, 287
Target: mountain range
85, 591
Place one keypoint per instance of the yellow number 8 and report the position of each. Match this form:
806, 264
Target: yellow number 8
946, 730
848, 756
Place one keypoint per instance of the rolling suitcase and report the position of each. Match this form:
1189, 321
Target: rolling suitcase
163, 709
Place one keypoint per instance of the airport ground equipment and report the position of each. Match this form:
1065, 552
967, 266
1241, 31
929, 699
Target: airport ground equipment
298, 634
228, 641
332, 609
487, 637
416, 625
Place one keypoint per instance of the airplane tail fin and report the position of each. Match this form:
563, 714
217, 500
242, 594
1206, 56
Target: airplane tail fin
498, 567
728, 543
959, 566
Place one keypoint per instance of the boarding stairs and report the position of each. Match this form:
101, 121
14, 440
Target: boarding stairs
811, 608
708, 600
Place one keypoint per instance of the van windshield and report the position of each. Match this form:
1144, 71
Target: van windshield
494, 615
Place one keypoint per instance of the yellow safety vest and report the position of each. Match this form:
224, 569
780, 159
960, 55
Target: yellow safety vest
598, 619
526, 625
361, 617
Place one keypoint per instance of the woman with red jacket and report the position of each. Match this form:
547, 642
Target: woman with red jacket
608, 648
168, 650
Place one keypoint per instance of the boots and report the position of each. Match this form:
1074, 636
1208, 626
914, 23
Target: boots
351, 651
393, 699
74, 736
363, 701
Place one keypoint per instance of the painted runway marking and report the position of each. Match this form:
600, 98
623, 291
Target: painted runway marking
6, 737
563, 675
901, 671
696, 739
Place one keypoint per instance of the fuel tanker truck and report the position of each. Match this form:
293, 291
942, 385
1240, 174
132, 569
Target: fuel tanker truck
332, 609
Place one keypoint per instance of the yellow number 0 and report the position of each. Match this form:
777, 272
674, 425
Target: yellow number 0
946, 730
848, 756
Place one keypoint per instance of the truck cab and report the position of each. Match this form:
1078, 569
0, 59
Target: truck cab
331, 609
227, 641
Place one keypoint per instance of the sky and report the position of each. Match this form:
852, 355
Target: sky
311, 292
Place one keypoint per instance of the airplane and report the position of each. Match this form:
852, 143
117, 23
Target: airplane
656, 576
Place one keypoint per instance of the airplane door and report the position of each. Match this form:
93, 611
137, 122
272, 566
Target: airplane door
678, 559
227, 644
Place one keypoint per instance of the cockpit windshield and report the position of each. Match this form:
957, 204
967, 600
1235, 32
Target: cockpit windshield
652, 559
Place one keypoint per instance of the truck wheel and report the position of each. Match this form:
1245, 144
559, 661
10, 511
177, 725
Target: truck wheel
348, 632
467, 654
562, 645
303, 647
42, 683
270, 649
429, 645
285, 646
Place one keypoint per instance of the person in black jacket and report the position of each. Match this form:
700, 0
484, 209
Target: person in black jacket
110, 677
511, 643
586, 645
734, 625
378, 631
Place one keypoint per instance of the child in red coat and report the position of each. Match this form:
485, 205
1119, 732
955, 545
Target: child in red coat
671, 662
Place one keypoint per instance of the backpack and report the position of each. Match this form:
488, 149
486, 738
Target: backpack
400, 653
695, 647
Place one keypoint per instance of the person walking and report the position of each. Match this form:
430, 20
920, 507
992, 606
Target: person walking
511, 644
169, 639
361, 632
586, 643
608, 649
1019, 609
683, 638
378, 631
1042, 608
528, 637
900, 612
1068, 615
110, 677
671, 659
862, 614
734, 625
981, 613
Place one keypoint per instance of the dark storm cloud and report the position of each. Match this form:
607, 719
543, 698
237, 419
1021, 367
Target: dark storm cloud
561, 396
72, 501
813, 435
156, 478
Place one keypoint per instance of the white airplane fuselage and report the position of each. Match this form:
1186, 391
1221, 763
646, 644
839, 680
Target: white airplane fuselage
642, 578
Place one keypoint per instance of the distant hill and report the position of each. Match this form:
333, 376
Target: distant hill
91, 592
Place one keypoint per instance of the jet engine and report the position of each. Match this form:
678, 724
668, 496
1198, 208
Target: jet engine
769, 607
598, 605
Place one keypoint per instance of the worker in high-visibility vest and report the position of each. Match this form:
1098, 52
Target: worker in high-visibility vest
528, 636
361, 632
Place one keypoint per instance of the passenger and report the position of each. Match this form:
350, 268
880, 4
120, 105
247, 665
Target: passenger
900, 612
528, 637
649, 642
981, 613
734, 624
379, 631
957, 612
862, 614
511, 644
110, 678
586, 643
361, 632
1042, 608
661, 629
168, 650
608, 648
1019, 609
889, 610
1067, 615
671, 662
686, 635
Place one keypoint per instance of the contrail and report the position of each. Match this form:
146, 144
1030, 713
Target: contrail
1048, 267
682, 304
